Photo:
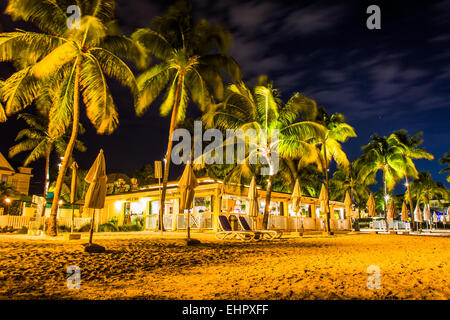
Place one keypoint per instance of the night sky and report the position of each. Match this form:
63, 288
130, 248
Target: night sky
381, 80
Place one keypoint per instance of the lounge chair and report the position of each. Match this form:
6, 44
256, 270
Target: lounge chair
228, 233
268, 234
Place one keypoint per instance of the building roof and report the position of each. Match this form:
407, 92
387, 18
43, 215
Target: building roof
4, 164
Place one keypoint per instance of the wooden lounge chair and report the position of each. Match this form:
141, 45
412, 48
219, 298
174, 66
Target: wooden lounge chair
268, 234
228, 233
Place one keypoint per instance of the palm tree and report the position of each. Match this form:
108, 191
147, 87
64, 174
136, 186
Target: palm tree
71, 62
446, 160
2, 108
412, 151
330, 146
382, 154
347, 180
262, 110
192, 57
425, 189
37, 140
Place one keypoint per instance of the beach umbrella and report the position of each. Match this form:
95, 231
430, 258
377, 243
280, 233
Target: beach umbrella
348, 204
253, 208
73, 191
323, 198
426, 213
404, 212
96, 194
391, 210
371, 206
187, 184
296, 199
418, 213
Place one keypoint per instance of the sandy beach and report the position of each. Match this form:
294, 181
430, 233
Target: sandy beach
144, 266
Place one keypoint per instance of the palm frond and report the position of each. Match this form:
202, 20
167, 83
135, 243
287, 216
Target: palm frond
151, 83
100, 107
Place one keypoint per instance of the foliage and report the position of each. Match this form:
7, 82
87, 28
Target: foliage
425, 189
145, 175
107, 227
130, 227
446, 160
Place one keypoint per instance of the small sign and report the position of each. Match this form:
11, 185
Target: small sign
158, 169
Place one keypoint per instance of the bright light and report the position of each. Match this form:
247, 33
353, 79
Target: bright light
60, 202
387, 197
118, 205
8, 200
406, 184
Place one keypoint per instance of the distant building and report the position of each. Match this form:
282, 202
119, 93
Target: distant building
19, 179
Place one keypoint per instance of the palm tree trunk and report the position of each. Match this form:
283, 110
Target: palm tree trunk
46, 179
52, 231
268, 197
327, 185
173, 126
385, 199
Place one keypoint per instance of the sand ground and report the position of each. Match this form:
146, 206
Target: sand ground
144, 266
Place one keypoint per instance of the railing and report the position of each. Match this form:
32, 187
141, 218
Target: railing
18, 222
77, 222
197, 221
152, 221
393, 225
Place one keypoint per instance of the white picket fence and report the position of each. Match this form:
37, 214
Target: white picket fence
18, 222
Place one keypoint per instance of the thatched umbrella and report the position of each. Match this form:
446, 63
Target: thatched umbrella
418, 214
323, 198
73, 191
187, 184
348, 204
96, 194
427, 214
404, 212
296, 200
371, 206
253, 208
391, 211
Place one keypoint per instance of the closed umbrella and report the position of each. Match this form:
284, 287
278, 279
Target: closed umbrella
371, 206
323, 198
73, 191
187, 184
96, 194
348, 204
418, 213
253, 208
404, 212
296, 200
391, 210
426, 213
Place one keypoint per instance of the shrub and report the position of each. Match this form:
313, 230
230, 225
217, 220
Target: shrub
85, 227
114, 221
130, 227
107, 227
64, 228
23, 230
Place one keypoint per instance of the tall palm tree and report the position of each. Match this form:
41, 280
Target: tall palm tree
347, 180
72, 62
37, 140
192, 57
446, 160
382, 154
412, 151
424, 188
262, 110
330, 147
